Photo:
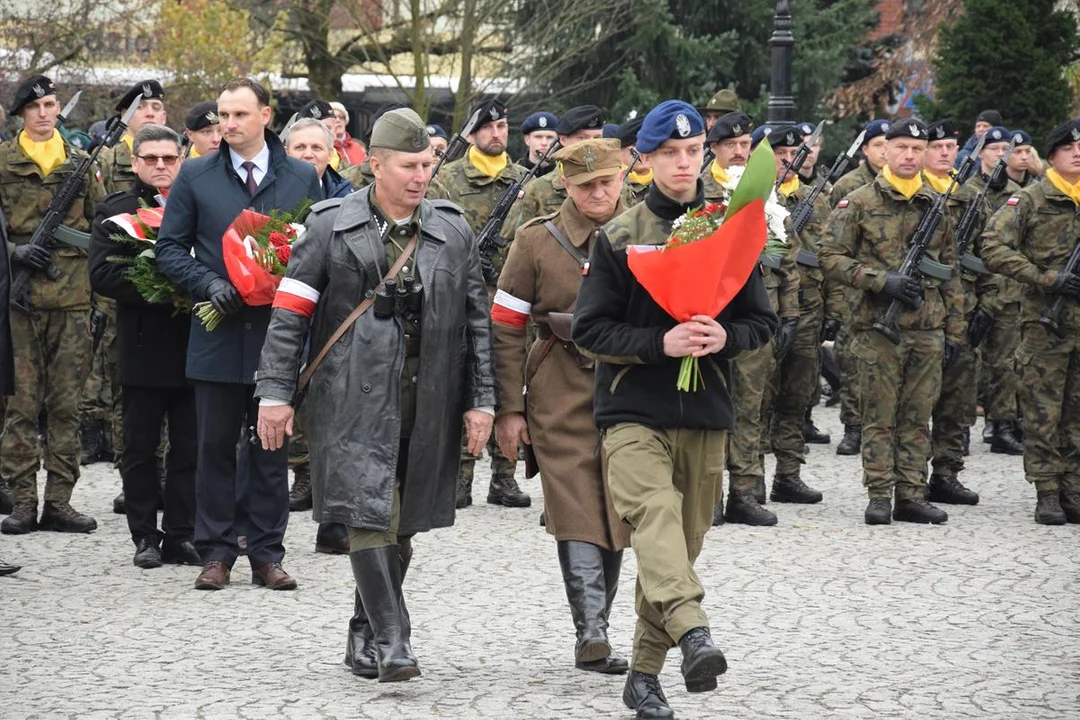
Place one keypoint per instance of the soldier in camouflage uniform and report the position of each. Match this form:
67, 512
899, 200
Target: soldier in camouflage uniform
476, 182
52, 347
865, 240
637, 178
1030, 240
1023, 161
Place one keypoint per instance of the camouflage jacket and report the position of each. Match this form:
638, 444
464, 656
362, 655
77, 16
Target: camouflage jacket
115, 166
633, 192
854, 180
360, 176
814, 292
24, 197
543, 196
1030, 239
995, 291
868, 234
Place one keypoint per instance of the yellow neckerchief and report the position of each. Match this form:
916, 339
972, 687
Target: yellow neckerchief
641, 178
789, 186
47, 155
1070, 190
129, 141
908, 187
940, 184
193, 154
719, 174
486, 164
335, 160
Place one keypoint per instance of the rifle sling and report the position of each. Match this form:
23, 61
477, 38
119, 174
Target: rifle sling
568, 246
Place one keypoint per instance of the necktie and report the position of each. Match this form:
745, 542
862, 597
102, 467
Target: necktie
252, 186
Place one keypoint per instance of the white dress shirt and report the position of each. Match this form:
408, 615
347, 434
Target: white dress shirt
261, 160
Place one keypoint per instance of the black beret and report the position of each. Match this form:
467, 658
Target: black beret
909, 128
32, 89
582, 117
149, 89
785, 136
1064, 134
989, 116
628, 131
201, 115
491, 110
317, 109
733, 125
942, 130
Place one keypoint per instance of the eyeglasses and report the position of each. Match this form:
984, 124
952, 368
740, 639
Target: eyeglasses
167, 160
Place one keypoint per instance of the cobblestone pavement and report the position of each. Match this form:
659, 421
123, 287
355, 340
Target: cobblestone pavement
820, 617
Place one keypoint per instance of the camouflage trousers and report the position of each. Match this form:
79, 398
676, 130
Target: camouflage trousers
1000, 368
751, 391
796, 390
849, 388
501, 467
101, 398
1050, 393
954, 411
52, 351
898, 387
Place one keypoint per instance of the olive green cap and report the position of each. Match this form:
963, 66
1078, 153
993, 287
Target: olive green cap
401, 130
724, 101
589, 159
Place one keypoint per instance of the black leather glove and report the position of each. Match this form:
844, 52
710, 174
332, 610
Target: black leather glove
34, 257
952, 351
979, 327
224, 297
1067, 284
785, 338
903, 288
829, 329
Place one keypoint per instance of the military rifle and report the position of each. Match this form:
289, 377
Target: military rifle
801, 154
489, 239
840, 165
706, 161
65, 197
1052, 318
804, 209
634, 157
966, 227
458, 142
62, 118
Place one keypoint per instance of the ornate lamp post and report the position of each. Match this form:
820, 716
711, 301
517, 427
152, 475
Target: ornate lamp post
781, 106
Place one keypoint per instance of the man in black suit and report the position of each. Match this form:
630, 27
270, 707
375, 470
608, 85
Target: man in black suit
152, 341
246, 495
7, 358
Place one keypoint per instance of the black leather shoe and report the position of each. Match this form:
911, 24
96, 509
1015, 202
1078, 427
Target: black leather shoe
702, 660
1070, 505
300, 494
812, 435
644, 695
743, 508
851, 444
1004, 440
949, 490
61, 517
7, 503
147, 554
917, 510
332, 539
791, 489
118, 505
988, 431
878, 512
6, 569
505, 491
180, 553
1048, 510
23, 519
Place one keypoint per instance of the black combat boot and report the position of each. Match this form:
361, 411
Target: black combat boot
967, 442
300, 494
791, 489
92, 440
505, 491
759, 490
947, 489
811, 434
61, 517
1004, 440
644, 695
1048, 510
743, 508
119, 505
583, 578
360, 647
378, 577
332, 539
1070, 505
718, 512
7, 503
878, 511
988, 431
463, 491
851, 444
917, 510
22, 520
702, 661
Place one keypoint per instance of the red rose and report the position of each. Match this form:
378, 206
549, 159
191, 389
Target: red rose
284, 253
278, 239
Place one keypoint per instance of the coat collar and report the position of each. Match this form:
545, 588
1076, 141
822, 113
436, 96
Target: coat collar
355, 211
664, 207
577, 227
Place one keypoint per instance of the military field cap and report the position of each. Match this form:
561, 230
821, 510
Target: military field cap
732, 125
401, 130
670, 120
582, 117
911, 128
317, 109
989, 116
628, 131
1064, 134
32, 89
201, 115
785, 136
760, 133
944, 129
725, 101
1022, 137
491, 110
590, 159
437, 131
875, 128
806, 127
998, 134
542, 120
149, 89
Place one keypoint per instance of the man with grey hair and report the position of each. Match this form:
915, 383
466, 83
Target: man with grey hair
398, 376
312, 141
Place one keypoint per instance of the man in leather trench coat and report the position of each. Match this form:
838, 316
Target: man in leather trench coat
386, 403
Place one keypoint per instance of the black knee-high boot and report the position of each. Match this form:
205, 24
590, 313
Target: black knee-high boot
378, 578
584, 578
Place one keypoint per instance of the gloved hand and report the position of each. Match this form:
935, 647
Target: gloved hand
979, 327
224, 297
903, 288
952, 351
487, 268
785, 338
34, 257
829, 329
1067, 284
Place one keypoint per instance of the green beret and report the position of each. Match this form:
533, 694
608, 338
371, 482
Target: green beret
401, 130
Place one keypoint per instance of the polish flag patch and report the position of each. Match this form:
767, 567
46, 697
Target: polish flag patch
296, 296
1013, 201
510, 311
842, 204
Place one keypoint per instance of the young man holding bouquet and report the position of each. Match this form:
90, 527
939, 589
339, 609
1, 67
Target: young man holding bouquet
664, 447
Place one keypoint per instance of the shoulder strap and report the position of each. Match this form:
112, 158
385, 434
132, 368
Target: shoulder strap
305, 377
565, 242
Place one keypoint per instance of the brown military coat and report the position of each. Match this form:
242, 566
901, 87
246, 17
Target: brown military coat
541, 277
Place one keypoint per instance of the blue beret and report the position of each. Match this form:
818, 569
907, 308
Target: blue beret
759, 133
1024, 139
875, 128
998, 134
806, 127
670, 119
542, 120
437, 131
611, 131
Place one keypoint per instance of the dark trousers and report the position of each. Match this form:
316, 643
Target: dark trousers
144, 410
238, 494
